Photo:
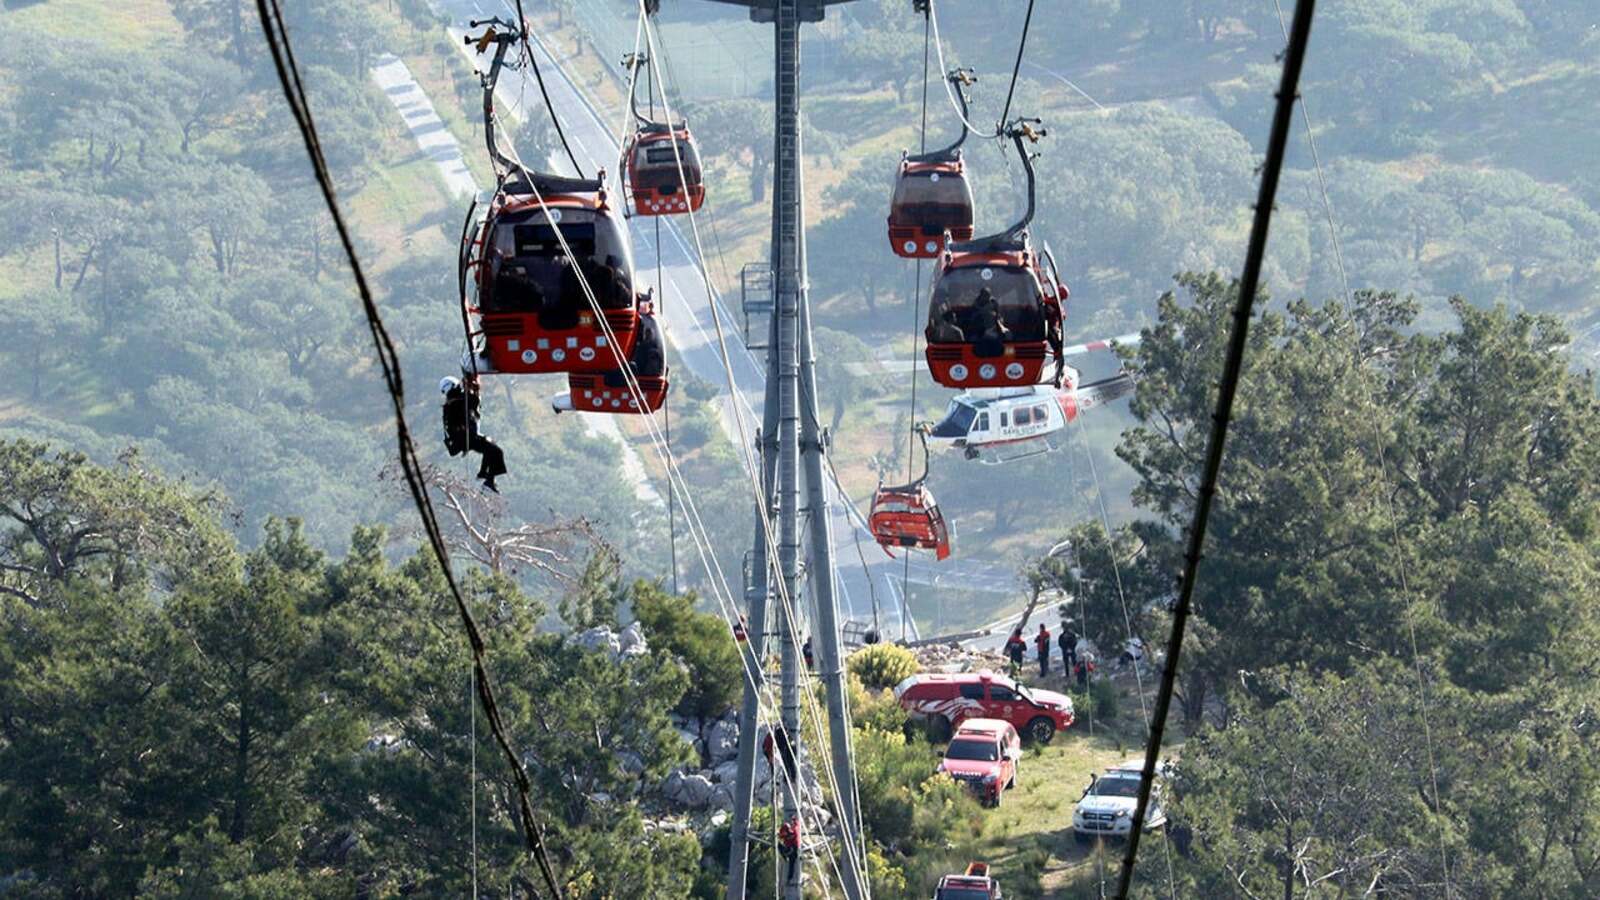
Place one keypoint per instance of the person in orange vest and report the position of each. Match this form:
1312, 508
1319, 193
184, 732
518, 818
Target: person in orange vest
789, 844
1042, 641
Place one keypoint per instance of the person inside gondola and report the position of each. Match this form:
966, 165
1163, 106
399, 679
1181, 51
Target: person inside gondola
612, 290
944, 329
561, 311
461, 434
988, 325
1052, 334
649, 356
515, 289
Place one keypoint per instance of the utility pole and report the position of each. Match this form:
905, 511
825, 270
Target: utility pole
791, 436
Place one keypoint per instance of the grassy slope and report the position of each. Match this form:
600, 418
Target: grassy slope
1030, 835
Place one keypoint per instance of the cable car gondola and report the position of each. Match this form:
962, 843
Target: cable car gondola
651, 162
931, 194
908, 516
995, 309
609, 391
529, 312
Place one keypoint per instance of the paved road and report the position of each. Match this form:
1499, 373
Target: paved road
689, 311
432, 137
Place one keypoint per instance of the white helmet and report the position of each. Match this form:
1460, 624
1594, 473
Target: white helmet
448, 384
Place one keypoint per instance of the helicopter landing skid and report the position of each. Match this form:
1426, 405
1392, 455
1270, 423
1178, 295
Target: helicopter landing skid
996, 459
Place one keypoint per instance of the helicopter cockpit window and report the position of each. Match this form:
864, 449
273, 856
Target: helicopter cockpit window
983, 422
957, 419
1015, 295
936, 199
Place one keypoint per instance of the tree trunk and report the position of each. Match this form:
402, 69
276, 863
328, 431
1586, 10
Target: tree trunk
88, 257
1288, 862
758, 176
38, 364
838, 411
56, 233
217, 255
241, 776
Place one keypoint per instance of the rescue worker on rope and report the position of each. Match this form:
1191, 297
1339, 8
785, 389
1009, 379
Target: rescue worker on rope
461, 434
649, 356
789, 845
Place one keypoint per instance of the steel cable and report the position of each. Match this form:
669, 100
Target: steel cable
272, 25
1294, 58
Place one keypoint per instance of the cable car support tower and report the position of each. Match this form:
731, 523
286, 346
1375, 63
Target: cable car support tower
791, 437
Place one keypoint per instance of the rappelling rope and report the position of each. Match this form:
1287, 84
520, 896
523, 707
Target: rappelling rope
791, 619
1127, 621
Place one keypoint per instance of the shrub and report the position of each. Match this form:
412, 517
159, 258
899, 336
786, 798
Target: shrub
883, 665
1105, 700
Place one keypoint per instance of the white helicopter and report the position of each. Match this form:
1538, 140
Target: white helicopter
1000, 425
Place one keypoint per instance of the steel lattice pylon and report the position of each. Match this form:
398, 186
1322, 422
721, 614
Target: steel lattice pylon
791, 441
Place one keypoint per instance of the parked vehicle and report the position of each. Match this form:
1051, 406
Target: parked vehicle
1106, 808
983, 754
943, 702
975, 884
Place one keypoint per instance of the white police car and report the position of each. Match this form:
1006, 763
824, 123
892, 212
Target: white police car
1106, 808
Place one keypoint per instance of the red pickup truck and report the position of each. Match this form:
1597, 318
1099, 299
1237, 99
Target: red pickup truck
974, 885
945, 701
983, 754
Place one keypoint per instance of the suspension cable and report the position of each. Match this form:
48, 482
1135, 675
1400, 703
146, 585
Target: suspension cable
1294, 58
272, 25
949, 90
522, 23
1022, 44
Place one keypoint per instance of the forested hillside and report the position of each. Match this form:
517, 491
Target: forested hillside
170, 280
